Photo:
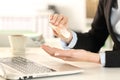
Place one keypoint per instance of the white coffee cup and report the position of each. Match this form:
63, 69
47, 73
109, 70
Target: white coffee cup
17, 44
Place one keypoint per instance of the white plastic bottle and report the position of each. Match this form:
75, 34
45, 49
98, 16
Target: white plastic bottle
62, 31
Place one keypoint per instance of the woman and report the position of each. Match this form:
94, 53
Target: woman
87, 45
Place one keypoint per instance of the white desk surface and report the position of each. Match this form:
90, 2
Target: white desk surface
92, 71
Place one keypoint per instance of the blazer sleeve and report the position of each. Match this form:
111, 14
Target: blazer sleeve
95, 38
112, 58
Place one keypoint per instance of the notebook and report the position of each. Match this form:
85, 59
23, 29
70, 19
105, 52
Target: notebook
21, 68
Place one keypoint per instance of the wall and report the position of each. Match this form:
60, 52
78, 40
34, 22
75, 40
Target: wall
74, 9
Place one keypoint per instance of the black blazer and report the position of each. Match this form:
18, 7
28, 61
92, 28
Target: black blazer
96, 37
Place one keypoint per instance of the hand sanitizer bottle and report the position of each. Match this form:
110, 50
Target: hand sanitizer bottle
62, 31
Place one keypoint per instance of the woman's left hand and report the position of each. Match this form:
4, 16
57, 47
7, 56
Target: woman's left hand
72, 54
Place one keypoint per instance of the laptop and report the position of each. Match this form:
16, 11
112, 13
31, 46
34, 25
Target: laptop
21, 68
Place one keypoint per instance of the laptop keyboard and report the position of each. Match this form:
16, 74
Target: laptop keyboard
25, 66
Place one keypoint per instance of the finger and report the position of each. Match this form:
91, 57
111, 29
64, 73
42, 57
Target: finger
50, 50
54, 18
51, 17
64, 21
55, 33
59, 19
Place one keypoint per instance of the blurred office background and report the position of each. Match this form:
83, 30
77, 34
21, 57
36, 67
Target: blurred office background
33, 15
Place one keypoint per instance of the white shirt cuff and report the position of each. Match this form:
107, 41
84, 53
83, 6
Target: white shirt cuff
102, 58
72, 43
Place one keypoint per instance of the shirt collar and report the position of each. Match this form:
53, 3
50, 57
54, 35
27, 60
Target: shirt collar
118, 2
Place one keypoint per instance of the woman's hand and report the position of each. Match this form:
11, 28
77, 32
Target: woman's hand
59, 23
72, 54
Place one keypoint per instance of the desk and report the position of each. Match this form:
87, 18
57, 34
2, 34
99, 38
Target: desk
92, 71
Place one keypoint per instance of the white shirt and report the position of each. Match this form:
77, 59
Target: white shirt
115, 20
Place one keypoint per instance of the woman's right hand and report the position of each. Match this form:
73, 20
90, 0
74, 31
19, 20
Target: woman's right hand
59, 24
